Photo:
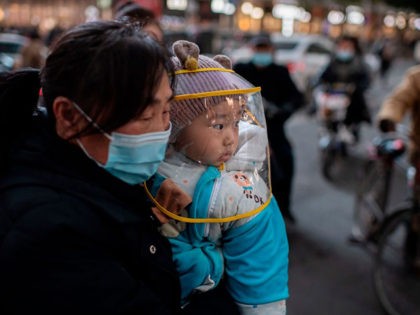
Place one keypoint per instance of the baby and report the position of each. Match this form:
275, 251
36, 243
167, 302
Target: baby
218, 157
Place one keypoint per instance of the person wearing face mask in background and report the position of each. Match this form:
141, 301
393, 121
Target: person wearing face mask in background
348, 67
77, 232
281, 99
130, 11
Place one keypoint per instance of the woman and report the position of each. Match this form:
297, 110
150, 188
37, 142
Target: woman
76, 231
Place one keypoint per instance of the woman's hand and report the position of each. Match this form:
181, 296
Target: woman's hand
172, 198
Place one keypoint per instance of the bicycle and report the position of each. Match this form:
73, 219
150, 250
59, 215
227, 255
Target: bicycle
332, 101
372, 194
393, 236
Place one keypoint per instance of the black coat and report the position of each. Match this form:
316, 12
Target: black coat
76, 240
354, 72
278, 88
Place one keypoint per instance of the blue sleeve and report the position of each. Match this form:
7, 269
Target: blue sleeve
198, 261
256, 258
195, 265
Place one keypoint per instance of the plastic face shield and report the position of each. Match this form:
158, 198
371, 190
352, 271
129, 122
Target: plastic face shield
219, 153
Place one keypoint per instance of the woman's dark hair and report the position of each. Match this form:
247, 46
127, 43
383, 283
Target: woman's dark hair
110, 69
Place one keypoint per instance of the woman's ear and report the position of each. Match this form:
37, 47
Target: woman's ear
68, 119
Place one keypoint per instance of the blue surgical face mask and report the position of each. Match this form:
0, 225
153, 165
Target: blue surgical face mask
262, 59
132, 158
344, 55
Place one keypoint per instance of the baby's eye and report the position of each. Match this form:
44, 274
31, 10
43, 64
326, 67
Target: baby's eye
237, 123
218, 126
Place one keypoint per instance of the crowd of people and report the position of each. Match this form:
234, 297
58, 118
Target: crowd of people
155, 181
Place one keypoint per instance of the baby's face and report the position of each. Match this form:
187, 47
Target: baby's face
212, 138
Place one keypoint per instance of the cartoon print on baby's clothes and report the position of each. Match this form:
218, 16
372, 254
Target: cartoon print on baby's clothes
243, 181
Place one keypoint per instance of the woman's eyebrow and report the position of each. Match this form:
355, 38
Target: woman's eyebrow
169, 99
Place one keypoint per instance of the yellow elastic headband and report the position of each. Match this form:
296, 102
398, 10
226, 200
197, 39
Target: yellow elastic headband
184, 71
180, 97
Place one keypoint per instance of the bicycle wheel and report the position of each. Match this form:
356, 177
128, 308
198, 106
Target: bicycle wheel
327, 158
396, 278
370, 201
330, 158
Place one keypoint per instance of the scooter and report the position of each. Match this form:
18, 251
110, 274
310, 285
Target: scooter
332, 101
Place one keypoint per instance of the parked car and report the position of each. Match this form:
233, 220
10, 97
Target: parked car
304, 55
10, 46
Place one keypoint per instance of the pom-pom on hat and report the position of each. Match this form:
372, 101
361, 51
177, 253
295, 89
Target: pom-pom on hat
201, 82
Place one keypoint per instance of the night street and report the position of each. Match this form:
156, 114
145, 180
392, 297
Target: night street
328, 275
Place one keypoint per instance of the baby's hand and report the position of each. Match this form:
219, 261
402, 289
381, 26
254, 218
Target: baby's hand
172, 198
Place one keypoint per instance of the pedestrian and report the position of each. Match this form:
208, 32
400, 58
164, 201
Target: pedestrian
77, 233
386, 53
133, 12
218, 156
404, 100
282, 98
34, 53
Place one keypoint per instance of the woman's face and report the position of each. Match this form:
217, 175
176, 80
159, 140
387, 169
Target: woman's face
154, 118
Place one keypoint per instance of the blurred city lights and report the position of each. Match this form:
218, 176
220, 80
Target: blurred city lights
400, 21
179, 5
305, 17
223, 6
389, 20
286, 11
247, 8
355, 15
257, 13
217, 6
91, 13
417, 24
246, 15
336, 17
230, 9
104, 4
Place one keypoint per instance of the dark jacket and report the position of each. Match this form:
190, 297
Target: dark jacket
354, 72
76, 240
277, 88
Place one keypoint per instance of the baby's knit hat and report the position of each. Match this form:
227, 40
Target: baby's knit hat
201, 82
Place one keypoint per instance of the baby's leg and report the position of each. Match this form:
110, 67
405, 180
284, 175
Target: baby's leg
274, 308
